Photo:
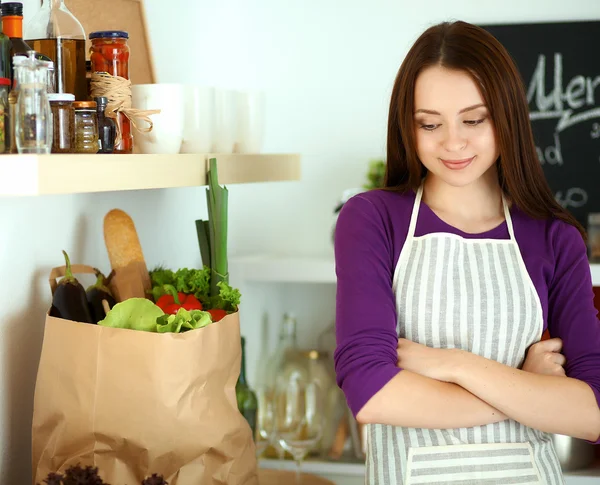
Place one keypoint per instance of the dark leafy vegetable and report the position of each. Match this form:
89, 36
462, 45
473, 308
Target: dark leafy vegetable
69, 300
77, 475
95, 294
155, 480
53, 479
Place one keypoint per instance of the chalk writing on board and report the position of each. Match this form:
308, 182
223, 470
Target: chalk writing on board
580, 93
551, 154
595, 134
574, 197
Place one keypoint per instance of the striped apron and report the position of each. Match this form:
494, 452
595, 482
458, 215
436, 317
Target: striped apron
475, 295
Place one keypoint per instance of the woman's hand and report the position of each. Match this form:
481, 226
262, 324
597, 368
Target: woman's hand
545, 358
426, 361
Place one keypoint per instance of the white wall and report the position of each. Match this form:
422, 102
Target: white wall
327, 68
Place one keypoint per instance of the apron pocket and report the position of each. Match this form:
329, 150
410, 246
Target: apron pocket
487, 464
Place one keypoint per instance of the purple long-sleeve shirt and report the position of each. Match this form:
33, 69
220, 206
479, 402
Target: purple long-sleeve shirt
370, 232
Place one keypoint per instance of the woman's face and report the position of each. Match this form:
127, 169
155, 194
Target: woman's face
455, 136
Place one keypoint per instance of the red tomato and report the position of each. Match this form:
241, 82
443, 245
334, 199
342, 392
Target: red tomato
217, 314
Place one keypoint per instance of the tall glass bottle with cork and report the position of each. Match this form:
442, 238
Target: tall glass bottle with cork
55, 32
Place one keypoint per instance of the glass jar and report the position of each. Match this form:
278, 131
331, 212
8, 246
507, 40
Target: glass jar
61, 106
4, 115
317, 366
109, 53
33, 129
85, 127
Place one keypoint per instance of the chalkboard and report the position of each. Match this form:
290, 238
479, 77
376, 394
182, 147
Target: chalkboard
560, 66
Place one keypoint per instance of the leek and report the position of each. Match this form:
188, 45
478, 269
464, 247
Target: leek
212, 234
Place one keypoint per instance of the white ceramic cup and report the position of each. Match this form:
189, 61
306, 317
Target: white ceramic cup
167, 132
250, 121
225, 126
198, 129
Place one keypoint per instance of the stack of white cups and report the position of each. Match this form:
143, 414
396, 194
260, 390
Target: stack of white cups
199, 119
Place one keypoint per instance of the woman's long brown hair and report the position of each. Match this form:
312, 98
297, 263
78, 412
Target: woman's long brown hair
466, 47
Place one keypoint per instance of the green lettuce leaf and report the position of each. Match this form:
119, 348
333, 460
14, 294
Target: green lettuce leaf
133, 314
228, 298
183, 321
162, 276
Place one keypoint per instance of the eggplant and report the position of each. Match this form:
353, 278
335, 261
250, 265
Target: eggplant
69, 300
95, 294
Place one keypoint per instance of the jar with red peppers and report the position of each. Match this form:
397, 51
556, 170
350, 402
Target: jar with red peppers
109, 53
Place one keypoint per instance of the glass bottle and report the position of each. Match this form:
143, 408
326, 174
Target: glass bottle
279, 365
12, 26
55, 32
85, 127
109, 53
33, 130
5, 57
107, 128
246, 398
13, 96
4, 115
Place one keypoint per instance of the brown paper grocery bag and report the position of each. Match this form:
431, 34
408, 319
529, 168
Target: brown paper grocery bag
132, 281
135, 403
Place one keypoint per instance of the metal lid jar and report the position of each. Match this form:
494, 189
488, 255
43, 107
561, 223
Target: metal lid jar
109, 53
61, 107
85, 127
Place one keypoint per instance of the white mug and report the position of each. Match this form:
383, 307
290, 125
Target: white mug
167, 131
251, 107
199, 119
225, 115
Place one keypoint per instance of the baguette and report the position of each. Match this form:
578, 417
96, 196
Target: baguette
121, 239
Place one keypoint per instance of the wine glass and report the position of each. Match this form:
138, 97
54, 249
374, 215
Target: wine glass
265, 421
298, 413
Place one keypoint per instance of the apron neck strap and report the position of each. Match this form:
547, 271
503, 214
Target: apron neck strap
417, 205
508, 218
415, 213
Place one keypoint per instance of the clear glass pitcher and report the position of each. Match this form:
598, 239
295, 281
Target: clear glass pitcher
33, 124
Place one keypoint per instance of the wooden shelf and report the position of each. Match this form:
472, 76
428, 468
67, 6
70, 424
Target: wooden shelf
22, 175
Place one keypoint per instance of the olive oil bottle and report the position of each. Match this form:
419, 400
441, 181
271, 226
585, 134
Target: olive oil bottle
55, 32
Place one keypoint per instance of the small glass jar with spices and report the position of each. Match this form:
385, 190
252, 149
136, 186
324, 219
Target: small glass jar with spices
61, 106
85, 127
109, 53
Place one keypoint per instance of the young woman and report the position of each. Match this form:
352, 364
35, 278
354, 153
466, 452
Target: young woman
449, 276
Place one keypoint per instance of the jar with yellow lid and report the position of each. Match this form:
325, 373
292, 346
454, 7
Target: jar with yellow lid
85, 127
